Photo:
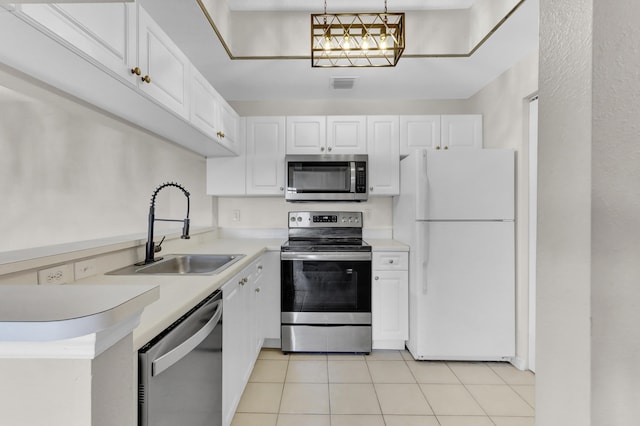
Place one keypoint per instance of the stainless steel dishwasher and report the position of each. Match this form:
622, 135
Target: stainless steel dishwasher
180, 371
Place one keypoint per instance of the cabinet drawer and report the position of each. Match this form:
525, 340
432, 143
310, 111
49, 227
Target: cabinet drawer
390, 261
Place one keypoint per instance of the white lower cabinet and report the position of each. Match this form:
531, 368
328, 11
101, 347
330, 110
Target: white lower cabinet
247, 315
390, 300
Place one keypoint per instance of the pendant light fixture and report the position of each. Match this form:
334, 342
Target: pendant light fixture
356, 39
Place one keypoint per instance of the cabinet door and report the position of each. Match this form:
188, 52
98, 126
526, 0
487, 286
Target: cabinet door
306, 135
167, 67
204, 104
270, 293
346, 134
227, 175
229, 122
233, 344
384, 155
461, 131
419, 132
265, 155
390, 309
105, 32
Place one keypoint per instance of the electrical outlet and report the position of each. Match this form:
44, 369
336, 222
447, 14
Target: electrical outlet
60, 274
84, 269
236, 215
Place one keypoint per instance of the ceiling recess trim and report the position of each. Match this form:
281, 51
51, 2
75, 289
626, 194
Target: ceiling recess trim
408, 56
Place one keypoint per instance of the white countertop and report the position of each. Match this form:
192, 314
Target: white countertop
177, 293
55, 312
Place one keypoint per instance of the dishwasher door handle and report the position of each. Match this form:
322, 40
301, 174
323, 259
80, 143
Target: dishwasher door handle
167, 360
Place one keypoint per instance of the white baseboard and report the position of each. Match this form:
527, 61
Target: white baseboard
518, 362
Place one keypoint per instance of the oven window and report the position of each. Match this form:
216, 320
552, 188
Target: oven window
326, 286
320, 176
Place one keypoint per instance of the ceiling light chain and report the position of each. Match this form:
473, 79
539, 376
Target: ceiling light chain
356, 39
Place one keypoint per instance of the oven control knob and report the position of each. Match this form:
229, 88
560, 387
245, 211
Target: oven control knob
299, 219
293, 219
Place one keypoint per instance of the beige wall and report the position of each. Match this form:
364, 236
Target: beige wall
69, 173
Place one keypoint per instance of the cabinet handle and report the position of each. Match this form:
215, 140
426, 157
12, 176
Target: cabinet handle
146, 79
371, 188
390, 260
258, 290
282, 188
322, 149
437, 147
329, 149
377, 278
259, 267
242, 281
136, 71
446, 147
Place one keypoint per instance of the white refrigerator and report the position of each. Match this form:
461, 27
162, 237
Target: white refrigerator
456, 212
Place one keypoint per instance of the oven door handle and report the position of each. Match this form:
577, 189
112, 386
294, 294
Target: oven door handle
328, 256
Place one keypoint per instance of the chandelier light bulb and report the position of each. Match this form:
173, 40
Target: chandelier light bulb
346, 44
365, 42
327, 42
383, 41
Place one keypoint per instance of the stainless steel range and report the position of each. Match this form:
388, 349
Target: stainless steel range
326, 284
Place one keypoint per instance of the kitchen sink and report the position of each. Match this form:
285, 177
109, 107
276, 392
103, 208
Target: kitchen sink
183, 264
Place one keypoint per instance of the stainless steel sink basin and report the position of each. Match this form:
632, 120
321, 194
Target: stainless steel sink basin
183, 264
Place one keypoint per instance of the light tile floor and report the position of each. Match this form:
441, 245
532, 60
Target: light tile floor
385, 388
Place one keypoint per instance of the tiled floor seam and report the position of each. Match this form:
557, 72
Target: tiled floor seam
284, 382
420, 389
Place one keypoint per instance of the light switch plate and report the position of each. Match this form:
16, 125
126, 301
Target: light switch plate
84, 269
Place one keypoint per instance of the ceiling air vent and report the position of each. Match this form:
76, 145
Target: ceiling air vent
343, 83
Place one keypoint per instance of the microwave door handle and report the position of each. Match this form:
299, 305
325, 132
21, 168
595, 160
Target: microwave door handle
353, 177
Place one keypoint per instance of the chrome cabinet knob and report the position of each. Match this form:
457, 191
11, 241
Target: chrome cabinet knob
258, 290
390, 260
329, 149
377, 278
322, 149
437, 147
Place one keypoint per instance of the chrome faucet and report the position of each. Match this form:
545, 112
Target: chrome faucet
151, 247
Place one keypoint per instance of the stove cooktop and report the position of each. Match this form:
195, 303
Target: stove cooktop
321, 244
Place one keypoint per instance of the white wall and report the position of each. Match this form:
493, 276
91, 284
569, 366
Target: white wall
69, 173
270, 213
504, 105
563, 356
615, 215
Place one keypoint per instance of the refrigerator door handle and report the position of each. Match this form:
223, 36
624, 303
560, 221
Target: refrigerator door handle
424, 242
422, 187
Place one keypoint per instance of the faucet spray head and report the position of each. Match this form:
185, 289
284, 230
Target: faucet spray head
185, 229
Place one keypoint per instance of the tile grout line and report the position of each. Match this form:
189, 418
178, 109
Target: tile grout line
469, 392
516, 392
373, 383
420, 389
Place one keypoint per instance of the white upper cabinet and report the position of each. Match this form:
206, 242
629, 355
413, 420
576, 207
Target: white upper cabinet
105, 32
418, 132
89, 50
451, 131
326, 134
346, 134
461, 131
164, 69
384, 155
265, 155
210, 113
306, 134
226, 176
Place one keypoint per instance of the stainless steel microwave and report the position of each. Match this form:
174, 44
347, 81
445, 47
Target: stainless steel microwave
326, 177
